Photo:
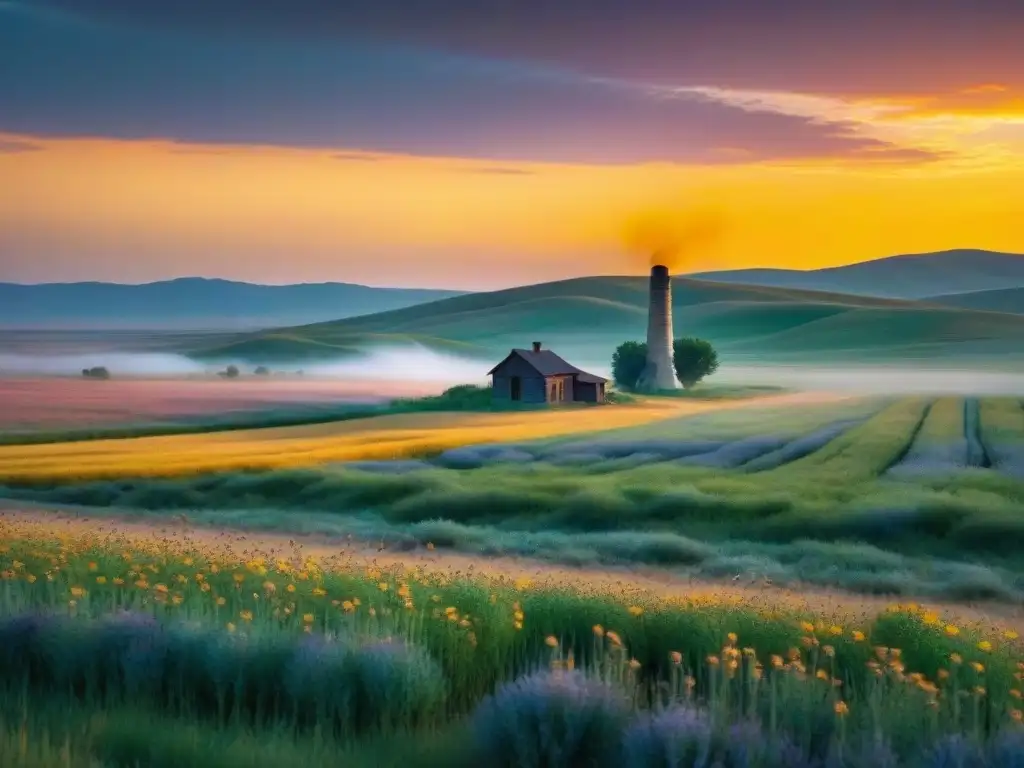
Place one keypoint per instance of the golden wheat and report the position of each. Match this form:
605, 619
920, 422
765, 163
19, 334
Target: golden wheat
395, 436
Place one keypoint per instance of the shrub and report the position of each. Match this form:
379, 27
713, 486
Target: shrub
693, 360
231, 372
550, 719
628, 363
673, 737
262, 370
346, 685
462, 397
392, 683
96, 372
1007, 751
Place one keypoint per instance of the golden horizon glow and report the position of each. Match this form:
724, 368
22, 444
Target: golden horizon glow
93, 208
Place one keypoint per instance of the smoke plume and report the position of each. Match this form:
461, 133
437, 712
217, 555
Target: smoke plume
675, 239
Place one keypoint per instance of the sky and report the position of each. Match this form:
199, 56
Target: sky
477, 145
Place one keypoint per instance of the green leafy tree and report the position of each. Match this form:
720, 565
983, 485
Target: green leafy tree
628, 363
693, 359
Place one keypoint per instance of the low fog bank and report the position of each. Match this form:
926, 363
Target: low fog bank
414, 364
880, 380
118, 363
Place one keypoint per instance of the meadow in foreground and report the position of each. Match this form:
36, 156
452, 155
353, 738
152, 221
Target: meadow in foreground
876, 495
283, 660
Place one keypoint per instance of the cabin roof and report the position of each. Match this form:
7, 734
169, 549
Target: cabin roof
547, 363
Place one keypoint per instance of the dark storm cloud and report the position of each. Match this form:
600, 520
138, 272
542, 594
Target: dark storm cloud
867, 46
147, 73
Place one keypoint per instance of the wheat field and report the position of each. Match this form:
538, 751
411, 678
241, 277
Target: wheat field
395, 436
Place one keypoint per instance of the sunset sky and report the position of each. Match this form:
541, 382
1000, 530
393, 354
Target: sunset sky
490, 143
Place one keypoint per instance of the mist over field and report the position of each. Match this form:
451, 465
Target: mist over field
139, 364
418, 364
408, 363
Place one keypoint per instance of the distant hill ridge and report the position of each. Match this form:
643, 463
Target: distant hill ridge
1000, 300
196, 302
585, 318
911, 276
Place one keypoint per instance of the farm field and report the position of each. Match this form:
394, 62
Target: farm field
796, 488
777, 579
814, 568
66, 404
217, 650
383, 437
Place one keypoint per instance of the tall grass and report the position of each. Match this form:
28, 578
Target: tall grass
545, 676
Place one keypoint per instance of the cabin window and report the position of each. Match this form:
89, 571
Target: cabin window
515, 385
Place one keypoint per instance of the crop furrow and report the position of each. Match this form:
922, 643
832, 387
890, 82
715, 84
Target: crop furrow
800, 447
866, 451
977, 456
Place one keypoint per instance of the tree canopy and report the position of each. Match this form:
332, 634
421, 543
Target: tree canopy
628, 363
693, 359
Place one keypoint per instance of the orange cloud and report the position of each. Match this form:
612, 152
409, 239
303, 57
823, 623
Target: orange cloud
986, 88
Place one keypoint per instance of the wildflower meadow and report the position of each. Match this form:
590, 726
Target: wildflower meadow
117, 651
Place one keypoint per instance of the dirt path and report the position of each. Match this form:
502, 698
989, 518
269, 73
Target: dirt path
847, 607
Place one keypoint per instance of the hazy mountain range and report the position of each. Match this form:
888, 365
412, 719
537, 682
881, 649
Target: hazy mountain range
195, 303
951, 305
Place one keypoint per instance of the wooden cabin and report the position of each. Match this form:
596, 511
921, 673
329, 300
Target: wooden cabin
537, 376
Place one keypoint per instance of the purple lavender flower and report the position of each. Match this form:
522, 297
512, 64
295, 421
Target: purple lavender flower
555, 720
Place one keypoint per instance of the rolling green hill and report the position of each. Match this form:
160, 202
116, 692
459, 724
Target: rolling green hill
1003, 300
586, 318
911, 276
